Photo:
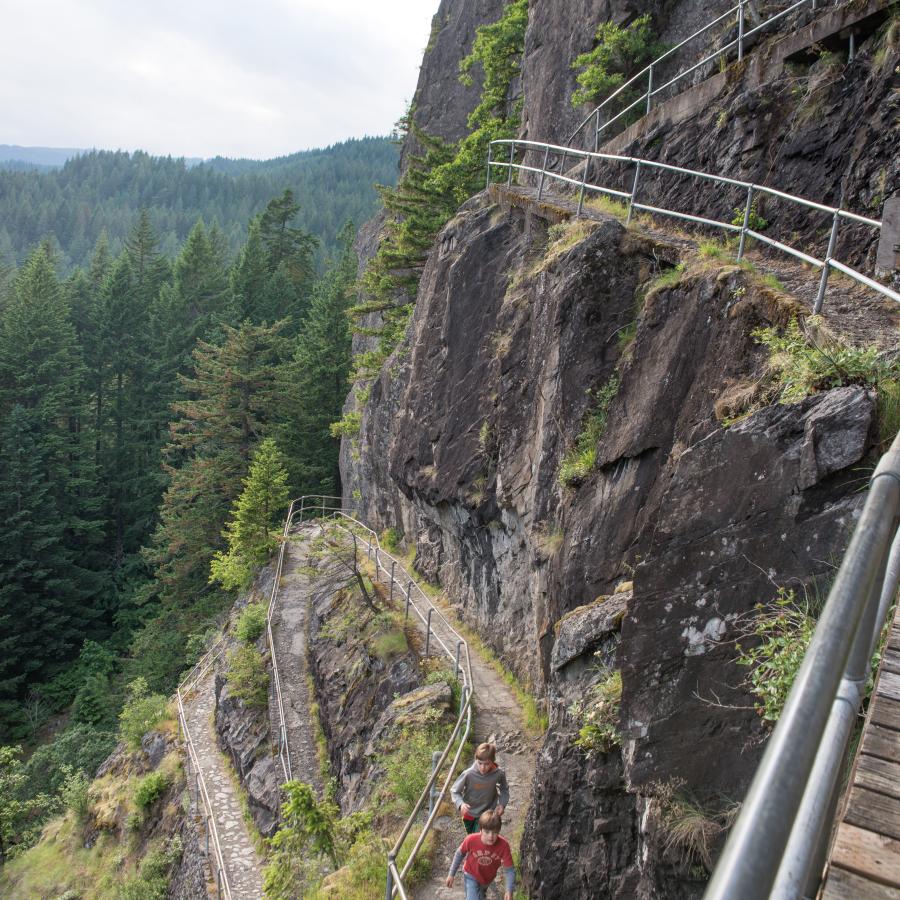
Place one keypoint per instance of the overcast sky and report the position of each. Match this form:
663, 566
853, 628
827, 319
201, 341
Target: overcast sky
255, 78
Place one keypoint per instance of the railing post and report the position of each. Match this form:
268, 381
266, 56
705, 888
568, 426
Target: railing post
543, 171
218, 881
487, 182
391, 598
197, 794
596, 129
587, 163
432, 794
389, 889
323, 507
740, 30
823, 282
649, 88
851, 53
747, 207
456, 668
634, 187
428, 632
408, 595
207, 837
512, 151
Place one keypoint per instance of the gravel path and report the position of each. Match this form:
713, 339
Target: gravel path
242, 865
290, 628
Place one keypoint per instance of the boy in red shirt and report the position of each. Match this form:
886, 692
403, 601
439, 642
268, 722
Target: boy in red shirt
485, 852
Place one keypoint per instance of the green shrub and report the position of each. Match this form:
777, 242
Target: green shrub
782, 634
142, 712
619, 53
74, 792
598, 715
391, 538
251, 622
80, 748
801, 368
408, 767
580, 460
149, 789
152, 882
390, 644
755, 222
348, 426
247, 677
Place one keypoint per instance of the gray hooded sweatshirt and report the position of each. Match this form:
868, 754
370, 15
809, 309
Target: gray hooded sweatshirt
480, 791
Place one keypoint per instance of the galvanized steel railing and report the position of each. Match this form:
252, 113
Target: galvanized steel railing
201, 792
646, 99
744, 230
319, 507
433, 619
779, 843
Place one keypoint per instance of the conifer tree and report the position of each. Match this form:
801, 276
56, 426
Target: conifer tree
314, 384
255, 517
225, 415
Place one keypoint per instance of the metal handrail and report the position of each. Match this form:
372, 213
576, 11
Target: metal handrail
744, 230
462, 670
779, 842
647, 72
188, 683
283, 746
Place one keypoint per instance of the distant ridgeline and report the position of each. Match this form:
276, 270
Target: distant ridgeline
105, 190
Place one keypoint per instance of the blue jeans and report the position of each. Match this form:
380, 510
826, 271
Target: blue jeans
474, 890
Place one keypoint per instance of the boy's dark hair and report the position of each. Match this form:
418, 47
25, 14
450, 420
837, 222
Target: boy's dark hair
490, 821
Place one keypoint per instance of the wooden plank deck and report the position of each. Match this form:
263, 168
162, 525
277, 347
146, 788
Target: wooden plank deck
865, 857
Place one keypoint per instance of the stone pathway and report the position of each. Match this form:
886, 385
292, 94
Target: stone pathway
242, 865
290, 627
498, 718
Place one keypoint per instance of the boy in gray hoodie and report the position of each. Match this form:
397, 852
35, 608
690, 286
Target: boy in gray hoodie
481, 788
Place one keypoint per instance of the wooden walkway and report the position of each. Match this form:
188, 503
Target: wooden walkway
865, 858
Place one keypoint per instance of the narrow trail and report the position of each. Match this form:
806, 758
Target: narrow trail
242, 865
853, 312
498, 718
290, 627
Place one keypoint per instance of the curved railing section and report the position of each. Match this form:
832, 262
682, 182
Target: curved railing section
201, 792
456, 649
778, 845
646, 75
548, 169
297, 509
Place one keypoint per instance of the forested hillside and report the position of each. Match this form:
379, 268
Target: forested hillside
103, 191
136, 395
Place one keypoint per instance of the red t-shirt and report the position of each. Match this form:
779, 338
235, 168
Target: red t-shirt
482, 861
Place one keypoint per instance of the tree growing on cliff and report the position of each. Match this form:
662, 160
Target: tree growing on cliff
251, 531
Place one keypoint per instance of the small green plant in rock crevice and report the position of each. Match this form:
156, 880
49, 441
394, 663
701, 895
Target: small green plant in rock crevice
251, 623
801, 366
689, 828
580, 460
618, 54
247, 677
598, 714
781, 633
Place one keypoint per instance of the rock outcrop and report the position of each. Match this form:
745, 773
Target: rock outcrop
649, 562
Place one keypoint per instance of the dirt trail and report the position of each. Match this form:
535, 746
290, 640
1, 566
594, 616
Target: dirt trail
242, 865
498, 718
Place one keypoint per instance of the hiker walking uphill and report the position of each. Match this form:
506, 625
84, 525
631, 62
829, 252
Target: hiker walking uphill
481, 788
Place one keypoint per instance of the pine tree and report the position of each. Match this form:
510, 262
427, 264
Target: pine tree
314, 385
226, 415
255, 517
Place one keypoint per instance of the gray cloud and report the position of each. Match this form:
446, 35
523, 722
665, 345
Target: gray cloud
200, 78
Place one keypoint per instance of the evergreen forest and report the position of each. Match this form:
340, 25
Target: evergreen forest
150, 405
103, 191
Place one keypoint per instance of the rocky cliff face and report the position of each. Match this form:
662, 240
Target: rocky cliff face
367, 681
514, 334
